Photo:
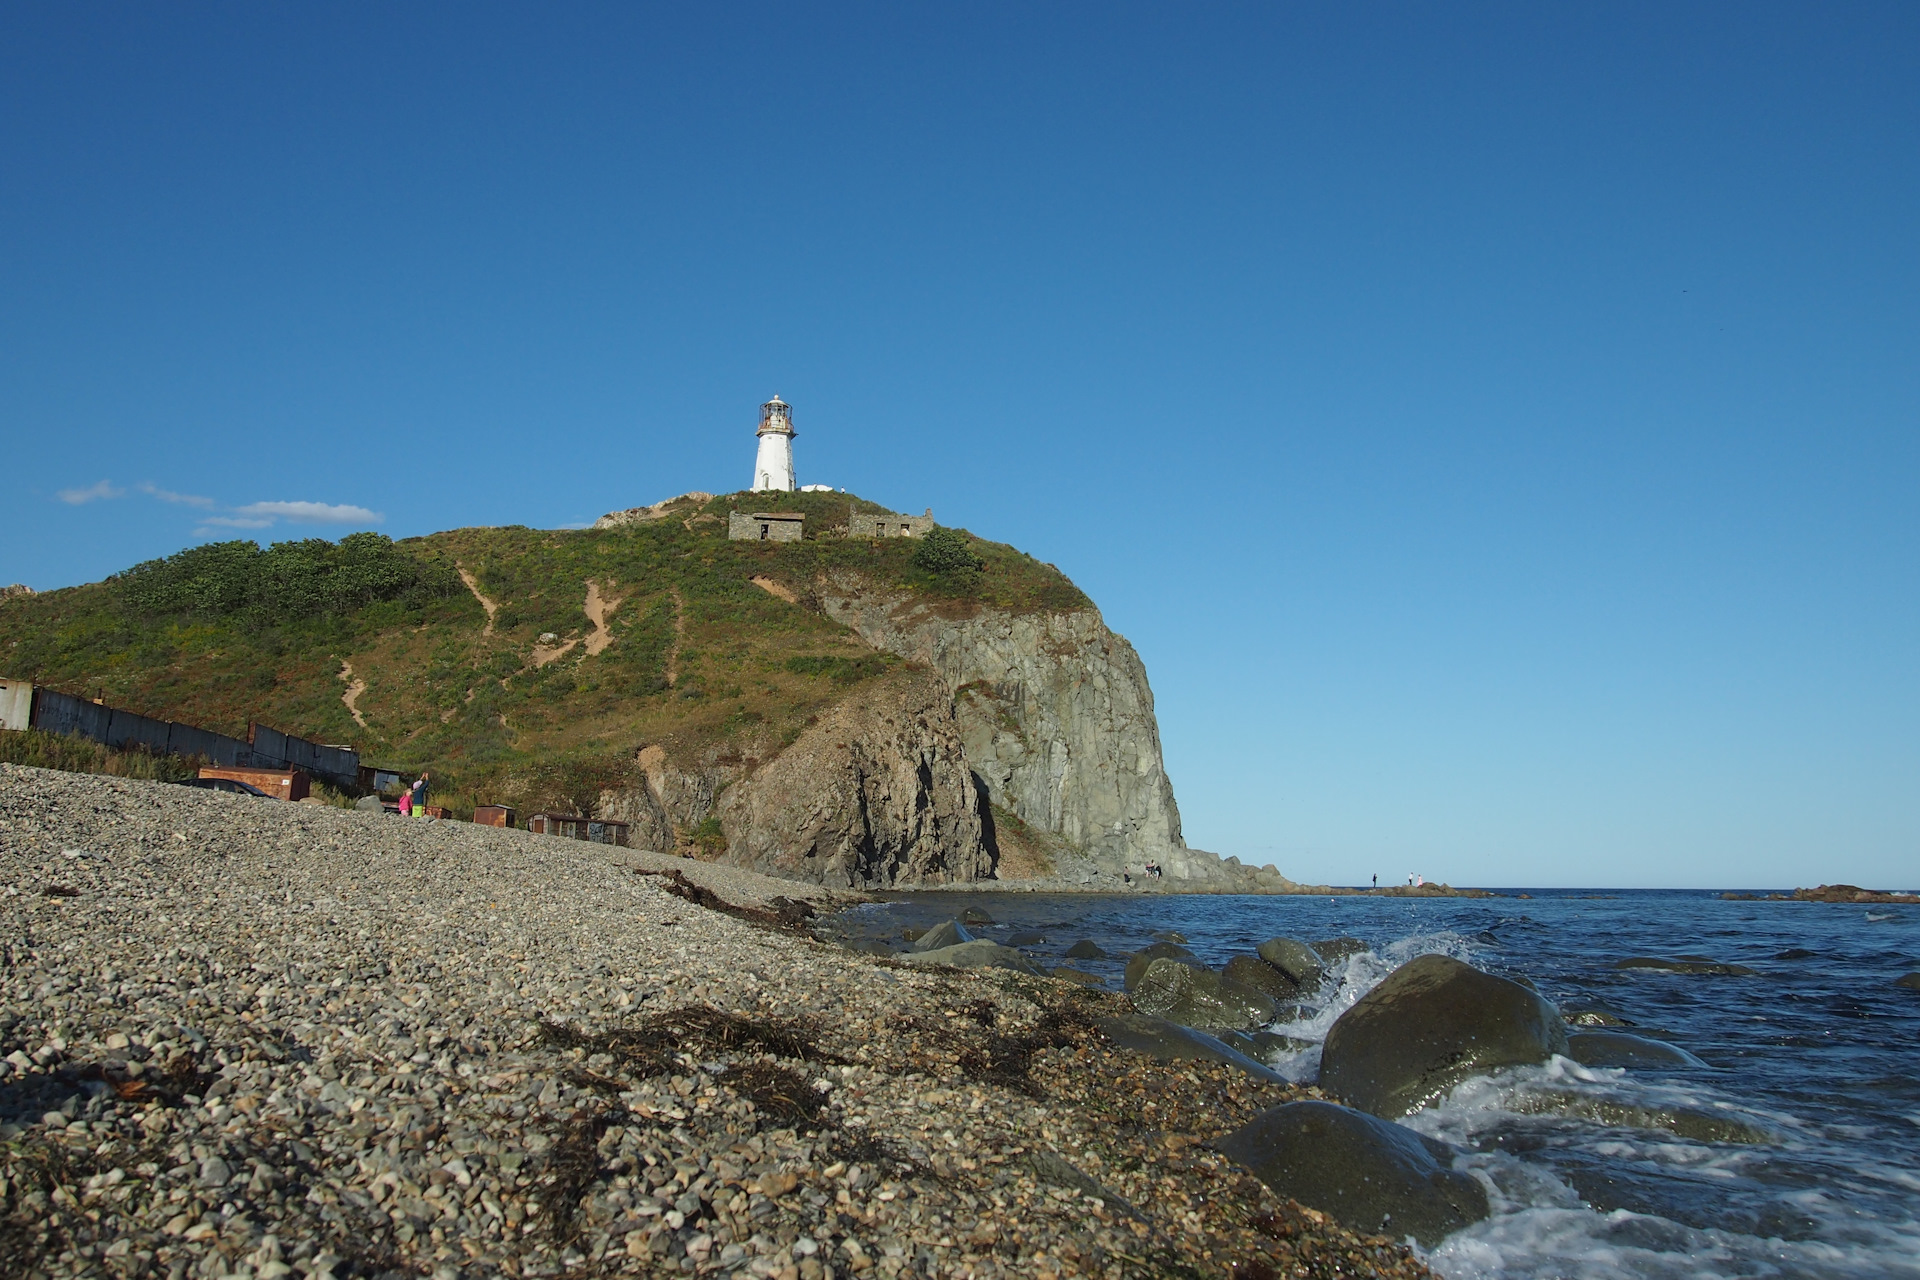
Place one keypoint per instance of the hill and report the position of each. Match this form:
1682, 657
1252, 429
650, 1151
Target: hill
817, 708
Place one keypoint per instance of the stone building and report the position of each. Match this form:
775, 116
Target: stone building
887, 524
765, 526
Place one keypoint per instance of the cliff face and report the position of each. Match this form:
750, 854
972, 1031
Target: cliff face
875, 794
1054, 712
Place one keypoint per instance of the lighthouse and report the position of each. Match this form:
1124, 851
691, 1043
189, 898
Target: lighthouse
773, 468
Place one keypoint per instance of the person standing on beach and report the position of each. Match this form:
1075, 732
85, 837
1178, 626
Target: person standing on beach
420, 794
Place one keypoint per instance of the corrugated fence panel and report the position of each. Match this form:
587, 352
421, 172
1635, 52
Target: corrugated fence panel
127, 729
337, 763
63, 713
214, 748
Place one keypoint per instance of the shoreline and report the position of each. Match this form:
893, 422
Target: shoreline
315, 1043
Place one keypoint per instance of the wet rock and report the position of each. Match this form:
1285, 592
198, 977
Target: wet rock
1370, 1174
1588, 1012
1195, 997
1085, 950
1026, 939
948, 933
1250, 971
1137, 962
1165, 935
1795, 953
977, 954
1334, 950
1910, 981
1430, 1024
1685, 1122
975, 916
1686, 964
1618, 1049
1296, 959
1263, 1045
1170, 1042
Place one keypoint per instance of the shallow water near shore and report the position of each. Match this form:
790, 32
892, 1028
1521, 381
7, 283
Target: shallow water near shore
1817, 1052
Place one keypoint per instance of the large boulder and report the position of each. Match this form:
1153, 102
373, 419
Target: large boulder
1430, 1024
1910, 981
1171, 1042
1178, 992
948, 933
1372, 1175
1618, 1049
1138, 961
1334, 950
978, 954
1251, 971
1086, 949
1296, 959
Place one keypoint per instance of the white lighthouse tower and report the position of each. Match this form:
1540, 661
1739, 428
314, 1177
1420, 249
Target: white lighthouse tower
773, 468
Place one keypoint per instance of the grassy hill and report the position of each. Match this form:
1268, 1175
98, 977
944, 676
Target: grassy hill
437, 642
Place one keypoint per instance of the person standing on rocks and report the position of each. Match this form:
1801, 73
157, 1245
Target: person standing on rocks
420, 794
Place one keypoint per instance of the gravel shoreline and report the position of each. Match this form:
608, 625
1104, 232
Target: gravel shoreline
243, 1038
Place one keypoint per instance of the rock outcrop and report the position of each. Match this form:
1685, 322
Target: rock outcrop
1054, 710
1058, 724
875, 794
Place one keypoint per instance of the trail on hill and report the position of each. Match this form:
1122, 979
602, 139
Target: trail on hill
355, 687
473, 585
599, 609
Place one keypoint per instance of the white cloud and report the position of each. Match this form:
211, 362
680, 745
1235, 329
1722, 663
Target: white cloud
308, 513
168, 495
102, 490
238, 522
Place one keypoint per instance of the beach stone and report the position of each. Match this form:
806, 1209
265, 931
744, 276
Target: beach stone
1334, 950
1910, 981
1250, 971
368, 804
1171, 1042
1686, 964
1430, 1024
975, 916
948, 933
1085, 949
1294, 958
1374, 1176
1194, 997
1618, 1049
977, 954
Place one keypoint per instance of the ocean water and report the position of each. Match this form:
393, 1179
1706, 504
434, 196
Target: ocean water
1818, 1055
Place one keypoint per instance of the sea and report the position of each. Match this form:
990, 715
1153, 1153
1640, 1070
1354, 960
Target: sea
1817, 1054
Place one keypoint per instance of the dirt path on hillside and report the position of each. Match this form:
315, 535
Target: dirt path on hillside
679, 637
599, 609
773, 588
355, 687
473, 585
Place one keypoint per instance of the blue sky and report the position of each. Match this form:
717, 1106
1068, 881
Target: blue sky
1494, 425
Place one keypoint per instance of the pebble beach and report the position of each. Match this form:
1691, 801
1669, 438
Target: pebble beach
254, 1039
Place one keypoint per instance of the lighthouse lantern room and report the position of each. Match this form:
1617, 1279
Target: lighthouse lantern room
773, 467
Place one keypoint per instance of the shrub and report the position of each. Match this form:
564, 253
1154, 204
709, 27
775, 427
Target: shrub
304, 579
945, 550
840, 670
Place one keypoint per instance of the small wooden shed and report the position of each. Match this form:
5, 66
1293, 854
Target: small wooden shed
495, 815
282, 784
572, 826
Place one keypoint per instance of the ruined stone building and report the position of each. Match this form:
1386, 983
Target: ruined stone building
765, 526
887, 524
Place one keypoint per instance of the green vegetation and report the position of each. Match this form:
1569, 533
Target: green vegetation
691, 652
946, 550
286, 581
78, 755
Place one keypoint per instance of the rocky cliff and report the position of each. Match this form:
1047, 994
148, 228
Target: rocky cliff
876, 793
